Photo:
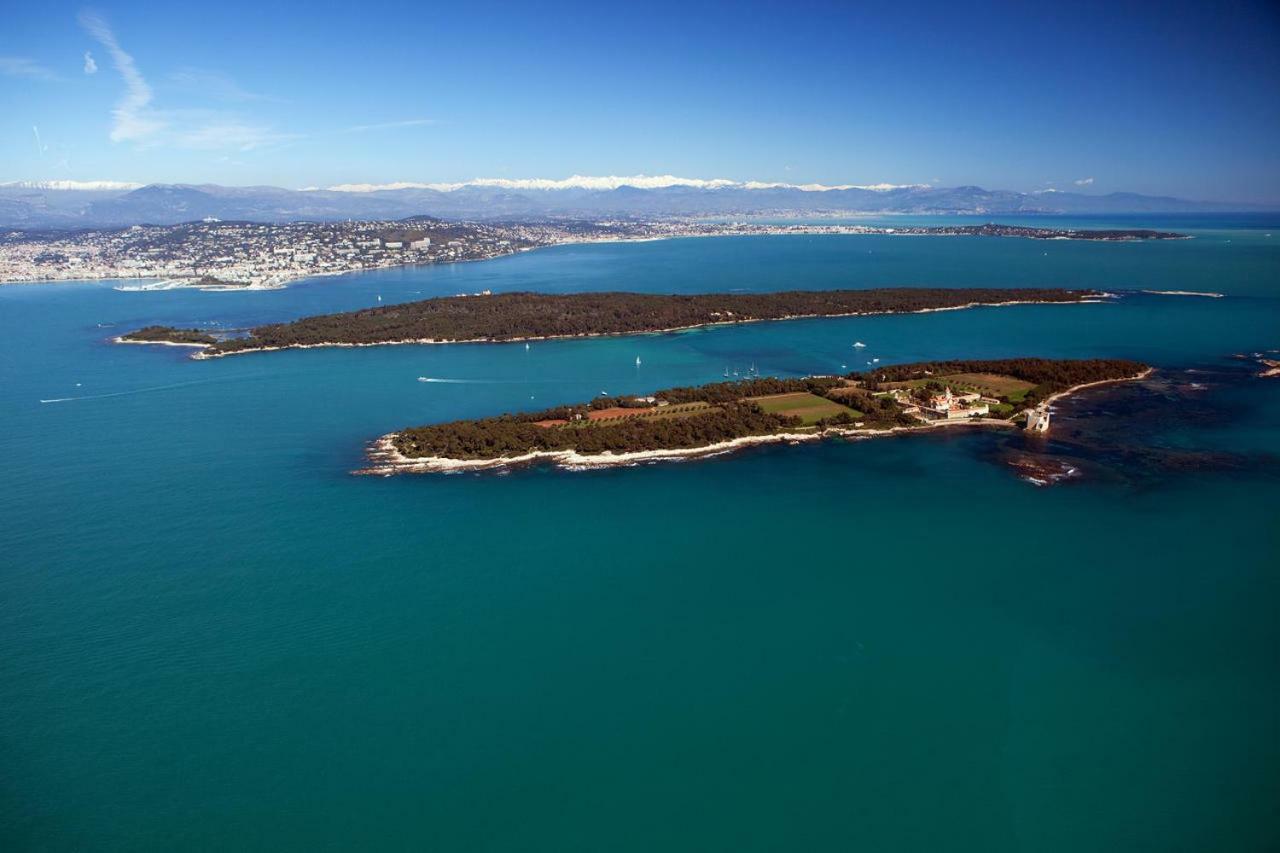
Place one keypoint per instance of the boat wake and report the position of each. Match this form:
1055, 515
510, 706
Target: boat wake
1205, 293
458, 381
437, 380
130, 392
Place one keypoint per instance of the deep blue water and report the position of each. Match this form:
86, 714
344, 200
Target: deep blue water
215, 637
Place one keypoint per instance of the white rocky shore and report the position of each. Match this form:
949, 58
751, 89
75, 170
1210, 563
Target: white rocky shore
119, 339
386, 460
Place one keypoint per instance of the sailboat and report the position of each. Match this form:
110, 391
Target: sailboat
526, 346
379, 297
637, 361
858, 344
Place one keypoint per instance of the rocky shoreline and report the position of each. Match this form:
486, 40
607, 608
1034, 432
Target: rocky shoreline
385, 460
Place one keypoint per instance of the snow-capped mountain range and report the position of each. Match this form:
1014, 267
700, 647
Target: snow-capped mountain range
72, 204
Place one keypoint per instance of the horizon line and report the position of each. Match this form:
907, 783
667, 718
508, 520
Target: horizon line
585, 182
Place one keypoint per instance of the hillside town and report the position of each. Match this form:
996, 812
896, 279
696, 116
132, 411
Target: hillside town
222, 255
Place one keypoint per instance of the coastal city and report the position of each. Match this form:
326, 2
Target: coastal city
216, 255
222, 255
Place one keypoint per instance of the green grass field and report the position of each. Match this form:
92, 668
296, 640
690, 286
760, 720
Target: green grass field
990, 384
808, 407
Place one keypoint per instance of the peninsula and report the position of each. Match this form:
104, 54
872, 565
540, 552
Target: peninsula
725, 416
527, 316
229, 256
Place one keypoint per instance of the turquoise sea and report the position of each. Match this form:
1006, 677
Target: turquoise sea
213, 637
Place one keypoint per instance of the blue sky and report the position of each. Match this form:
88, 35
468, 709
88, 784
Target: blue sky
1178, 99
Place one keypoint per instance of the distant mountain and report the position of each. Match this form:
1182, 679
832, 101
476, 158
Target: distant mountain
67, 204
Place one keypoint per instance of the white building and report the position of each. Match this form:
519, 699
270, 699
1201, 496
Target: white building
1038, 419
952, 406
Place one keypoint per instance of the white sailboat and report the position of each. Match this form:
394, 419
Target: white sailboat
858, 345
637, 361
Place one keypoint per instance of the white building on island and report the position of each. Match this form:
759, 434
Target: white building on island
1038, 418
951, 406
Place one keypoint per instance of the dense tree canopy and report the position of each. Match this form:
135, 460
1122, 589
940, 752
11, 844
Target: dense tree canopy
1049, 375
490, 438
728, 412
168, 334
510, 316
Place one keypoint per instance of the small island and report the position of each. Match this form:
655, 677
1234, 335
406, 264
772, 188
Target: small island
168, 335
1030, 232
726, 416
537, 316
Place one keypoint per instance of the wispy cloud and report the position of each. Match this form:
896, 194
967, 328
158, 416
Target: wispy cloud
1083, 182
220, 133
211, 84
133, 121
20, 66
388, 125
136, 120
40, 146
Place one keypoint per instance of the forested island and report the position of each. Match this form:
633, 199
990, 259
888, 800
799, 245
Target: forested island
169, 335
992, 229
715, 418
526, 316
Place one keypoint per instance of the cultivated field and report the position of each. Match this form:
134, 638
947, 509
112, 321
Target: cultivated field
611, 416
808, 407
993, 384
990, 384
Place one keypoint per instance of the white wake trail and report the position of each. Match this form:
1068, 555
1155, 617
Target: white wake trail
131, 391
